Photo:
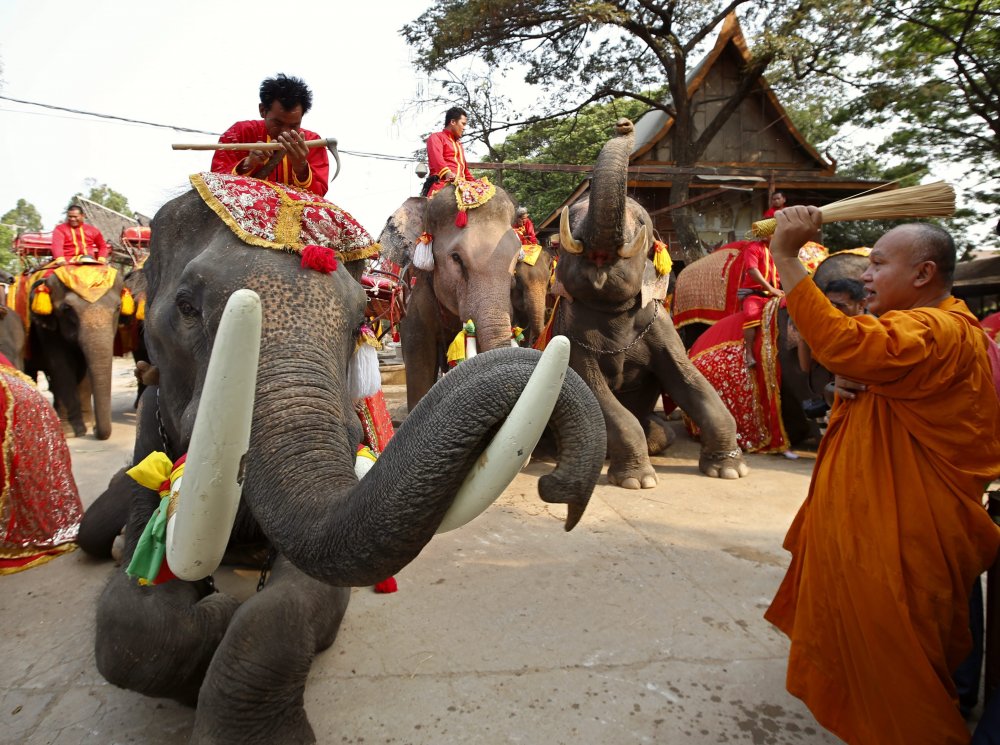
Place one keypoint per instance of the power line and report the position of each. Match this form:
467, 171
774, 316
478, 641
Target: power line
356, 153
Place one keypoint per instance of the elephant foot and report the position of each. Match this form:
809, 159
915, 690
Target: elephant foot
79, 429
660, 437
723, 464
639, 477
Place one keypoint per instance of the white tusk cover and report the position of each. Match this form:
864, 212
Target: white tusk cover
199, 530
517, 437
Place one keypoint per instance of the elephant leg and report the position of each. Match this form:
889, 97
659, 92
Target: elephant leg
105, 518
253, 692
629, 465
63, 367
641, 402
720, 454
419, 331
159, 640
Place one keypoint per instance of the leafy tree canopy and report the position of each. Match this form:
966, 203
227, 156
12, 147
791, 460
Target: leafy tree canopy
23, 218
105, 196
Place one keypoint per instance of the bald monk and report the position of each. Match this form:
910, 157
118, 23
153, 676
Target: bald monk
893, 532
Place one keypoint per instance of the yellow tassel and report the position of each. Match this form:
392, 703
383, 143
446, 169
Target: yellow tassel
41, 304
140, 312
661, 258
128, 302
456, 350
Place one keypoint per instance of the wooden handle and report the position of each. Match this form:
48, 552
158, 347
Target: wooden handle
245, 146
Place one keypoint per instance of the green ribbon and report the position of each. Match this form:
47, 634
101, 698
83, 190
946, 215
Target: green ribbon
152, 547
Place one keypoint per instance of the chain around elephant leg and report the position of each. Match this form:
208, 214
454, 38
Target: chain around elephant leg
723, 464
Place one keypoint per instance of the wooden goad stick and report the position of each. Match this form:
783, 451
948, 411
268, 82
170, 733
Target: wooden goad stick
926, 200
247, 146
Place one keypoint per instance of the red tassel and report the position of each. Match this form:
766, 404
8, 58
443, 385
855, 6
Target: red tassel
319, 258
395, 336
461, 219
386, 586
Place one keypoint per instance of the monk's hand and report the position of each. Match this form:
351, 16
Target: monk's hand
846, 388
795, 227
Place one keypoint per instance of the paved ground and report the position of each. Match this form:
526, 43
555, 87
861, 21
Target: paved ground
643, 625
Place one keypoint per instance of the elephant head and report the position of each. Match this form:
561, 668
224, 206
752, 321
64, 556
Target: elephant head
529, 292
300, 493
77, 338
604, 240
470, 278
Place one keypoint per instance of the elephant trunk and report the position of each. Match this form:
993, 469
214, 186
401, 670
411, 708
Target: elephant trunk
604, 226
97, 341
307, 500
492, 317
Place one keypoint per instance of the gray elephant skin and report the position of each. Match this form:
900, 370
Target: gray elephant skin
471, 278
529, 292
245, 665
12, 337
628, 351
77, 340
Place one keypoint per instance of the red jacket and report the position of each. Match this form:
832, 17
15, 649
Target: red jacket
445, 152
225, 161
86, 240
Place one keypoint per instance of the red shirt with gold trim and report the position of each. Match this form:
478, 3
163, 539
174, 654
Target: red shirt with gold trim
85, 240
254, 130
444, 152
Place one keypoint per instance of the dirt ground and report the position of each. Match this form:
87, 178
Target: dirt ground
643, 625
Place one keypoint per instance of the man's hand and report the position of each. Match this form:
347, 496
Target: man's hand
796, 226
252, 162
846, 388
294, 145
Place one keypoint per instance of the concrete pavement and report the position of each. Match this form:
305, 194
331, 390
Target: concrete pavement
643, 625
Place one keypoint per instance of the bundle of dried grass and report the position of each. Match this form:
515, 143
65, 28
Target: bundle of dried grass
926, 200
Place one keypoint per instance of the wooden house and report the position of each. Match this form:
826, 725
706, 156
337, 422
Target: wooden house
758, 151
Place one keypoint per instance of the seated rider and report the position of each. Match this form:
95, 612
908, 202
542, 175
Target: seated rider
758, 283
524, 228
445, 154
777, 203
283, 102
76, 238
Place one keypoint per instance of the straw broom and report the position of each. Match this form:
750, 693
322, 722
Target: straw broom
926, 200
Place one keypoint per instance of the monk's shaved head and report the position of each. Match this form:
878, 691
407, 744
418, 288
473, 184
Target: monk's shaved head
931, 243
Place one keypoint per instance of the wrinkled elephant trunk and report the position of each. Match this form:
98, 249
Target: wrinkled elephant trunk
304, 494
604, 225
493, 321
97, 340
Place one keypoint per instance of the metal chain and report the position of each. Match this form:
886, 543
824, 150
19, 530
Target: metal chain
724, 454
159, 423
656, 310
265, 571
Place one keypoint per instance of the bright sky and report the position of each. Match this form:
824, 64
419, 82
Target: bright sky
199, 65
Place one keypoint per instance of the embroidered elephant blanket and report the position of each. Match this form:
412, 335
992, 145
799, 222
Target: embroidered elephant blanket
40, 509
277, 216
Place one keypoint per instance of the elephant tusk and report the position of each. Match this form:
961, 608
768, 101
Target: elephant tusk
209, 493
567, 242
638, 244
507, 453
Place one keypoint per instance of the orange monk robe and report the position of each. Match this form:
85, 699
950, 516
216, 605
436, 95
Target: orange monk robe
893, 533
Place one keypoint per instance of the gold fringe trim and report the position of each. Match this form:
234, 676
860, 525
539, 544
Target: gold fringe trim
50, 554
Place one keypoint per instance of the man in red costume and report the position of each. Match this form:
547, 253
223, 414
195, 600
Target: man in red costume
524, 228
777, 203
76, 238
445, 154
283, 102
758, 283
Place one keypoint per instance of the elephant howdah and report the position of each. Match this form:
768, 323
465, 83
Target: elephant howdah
624, 344
300, 494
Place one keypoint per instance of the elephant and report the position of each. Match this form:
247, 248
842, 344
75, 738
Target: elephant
471, 278
74, 341
12, 337
245, 665
131, 331
626, 349
529, 292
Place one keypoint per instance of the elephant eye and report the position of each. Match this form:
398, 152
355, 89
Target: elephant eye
456, 258
185, 307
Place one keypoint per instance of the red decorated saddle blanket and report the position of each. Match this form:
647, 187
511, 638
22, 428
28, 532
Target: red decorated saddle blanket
705, 291
277, 216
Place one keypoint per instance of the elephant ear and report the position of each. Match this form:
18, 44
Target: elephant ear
399, 236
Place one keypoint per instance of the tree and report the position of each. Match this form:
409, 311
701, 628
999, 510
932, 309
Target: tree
574, 140
105, 196
597, 50
23, 218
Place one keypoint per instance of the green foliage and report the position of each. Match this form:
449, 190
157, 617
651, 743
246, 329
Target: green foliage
23, 218
105, 196
575, 140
